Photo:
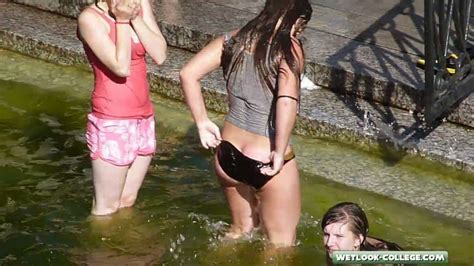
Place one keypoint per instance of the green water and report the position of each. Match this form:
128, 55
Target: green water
45, 189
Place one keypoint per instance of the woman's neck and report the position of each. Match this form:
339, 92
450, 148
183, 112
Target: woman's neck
104, 7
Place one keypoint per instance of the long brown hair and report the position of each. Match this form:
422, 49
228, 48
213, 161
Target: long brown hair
269, 34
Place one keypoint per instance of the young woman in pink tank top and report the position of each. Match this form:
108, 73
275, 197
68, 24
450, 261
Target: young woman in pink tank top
116, 35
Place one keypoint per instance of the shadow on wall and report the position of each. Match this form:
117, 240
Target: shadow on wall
402, 137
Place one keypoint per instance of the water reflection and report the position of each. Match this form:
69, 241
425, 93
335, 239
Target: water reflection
125, 238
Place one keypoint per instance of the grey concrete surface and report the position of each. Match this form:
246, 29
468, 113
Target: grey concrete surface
363, 47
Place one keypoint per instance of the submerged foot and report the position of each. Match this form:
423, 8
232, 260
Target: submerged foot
233, 235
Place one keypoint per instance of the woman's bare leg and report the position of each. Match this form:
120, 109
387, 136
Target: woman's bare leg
280, 206
135, 176
242, 204
109, 180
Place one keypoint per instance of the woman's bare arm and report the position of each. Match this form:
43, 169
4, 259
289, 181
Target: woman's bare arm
286, 108
115, 56
207, 60
149, 33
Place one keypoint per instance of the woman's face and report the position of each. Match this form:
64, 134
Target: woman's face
337, 236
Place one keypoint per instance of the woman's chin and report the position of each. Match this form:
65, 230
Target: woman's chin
329, 252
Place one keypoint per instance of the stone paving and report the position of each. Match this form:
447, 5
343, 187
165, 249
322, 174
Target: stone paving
351, 46
347, 51
323, 112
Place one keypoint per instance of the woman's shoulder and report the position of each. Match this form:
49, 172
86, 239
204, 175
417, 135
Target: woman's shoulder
88, 14
90, 19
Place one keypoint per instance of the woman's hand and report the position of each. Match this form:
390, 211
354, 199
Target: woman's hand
209, 133
125, 10
298, 28
137, 10
277, 160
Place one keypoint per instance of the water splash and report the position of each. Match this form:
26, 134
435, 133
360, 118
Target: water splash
452, 144
366, 122
387, 132
307, 84
308, 227
175, 246
215, 229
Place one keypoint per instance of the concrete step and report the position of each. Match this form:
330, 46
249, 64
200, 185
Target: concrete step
323, 112
352, 47
373, 64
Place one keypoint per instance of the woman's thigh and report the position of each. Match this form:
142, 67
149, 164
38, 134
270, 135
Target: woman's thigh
240, 198
280, 205
108, 180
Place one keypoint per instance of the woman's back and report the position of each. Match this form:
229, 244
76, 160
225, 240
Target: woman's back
250, 100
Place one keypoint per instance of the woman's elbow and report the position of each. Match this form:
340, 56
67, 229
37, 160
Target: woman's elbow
160, 59
188, 80
184, 75
122, 72
159, 55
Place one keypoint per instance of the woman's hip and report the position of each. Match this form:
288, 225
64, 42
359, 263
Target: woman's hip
232, 166
254, 146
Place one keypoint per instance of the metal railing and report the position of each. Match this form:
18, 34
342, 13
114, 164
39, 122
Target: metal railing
449, 64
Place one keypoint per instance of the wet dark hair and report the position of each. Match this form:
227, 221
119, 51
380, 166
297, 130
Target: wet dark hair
270, 42
109, 12
96, 3
348, 212
351, 213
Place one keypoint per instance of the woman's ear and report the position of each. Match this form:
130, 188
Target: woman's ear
358, 241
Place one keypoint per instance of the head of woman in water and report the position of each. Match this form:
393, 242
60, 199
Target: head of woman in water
345, 227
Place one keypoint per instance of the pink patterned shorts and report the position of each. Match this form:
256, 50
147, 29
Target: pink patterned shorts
119, 142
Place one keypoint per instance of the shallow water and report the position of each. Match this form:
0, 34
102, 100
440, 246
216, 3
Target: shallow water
45, 189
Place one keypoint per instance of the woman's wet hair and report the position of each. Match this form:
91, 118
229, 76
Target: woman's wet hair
349, 213
268, 37
352, 214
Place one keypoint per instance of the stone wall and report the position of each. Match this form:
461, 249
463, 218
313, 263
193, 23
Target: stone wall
70, 8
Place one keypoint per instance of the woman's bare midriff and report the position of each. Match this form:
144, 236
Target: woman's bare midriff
252, 145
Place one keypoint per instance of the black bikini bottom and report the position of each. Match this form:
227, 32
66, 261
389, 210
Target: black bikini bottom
242, 168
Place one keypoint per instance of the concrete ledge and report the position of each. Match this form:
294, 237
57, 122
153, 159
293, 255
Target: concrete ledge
339, 63
70, 8
369, 71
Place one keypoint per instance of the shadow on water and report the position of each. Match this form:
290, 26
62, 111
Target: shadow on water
45, 195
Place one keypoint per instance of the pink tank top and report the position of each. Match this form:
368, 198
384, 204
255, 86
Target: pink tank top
117, 97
